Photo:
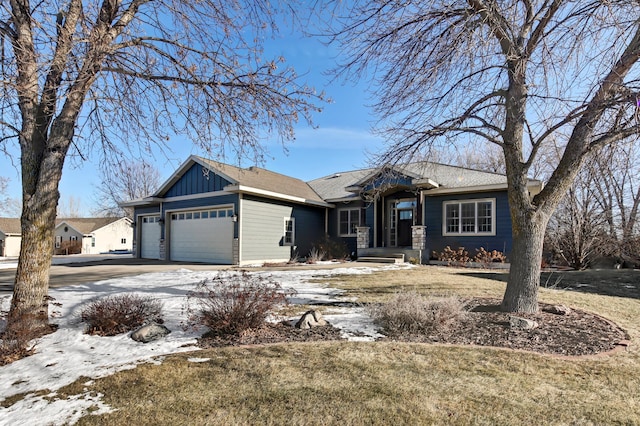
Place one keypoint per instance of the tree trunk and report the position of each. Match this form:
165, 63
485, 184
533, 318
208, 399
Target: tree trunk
521, 294
30, 304
30, 299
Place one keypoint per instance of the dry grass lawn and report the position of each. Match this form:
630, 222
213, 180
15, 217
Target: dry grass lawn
384, 383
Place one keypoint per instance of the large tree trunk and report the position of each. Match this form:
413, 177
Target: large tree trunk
41, 175
521, 294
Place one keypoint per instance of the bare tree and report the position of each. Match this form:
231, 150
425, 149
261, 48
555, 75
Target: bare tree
9, 207
117, 76
577, 231
128, 181
70, 207
519, 74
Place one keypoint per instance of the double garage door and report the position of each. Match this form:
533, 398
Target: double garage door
202, 236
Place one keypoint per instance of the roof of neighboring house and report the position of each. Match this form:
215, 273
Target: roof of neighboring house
87, 225
334, 186
10, 225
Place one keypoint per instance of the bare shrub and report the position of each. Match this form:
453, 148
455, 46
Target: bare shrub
120, 313
232, 303
453, 257
69, 247
333, 249
493, 256
19, 340
316, 255
413, 313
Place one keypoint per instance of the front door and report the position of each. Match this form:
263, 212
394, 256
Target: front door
401, 216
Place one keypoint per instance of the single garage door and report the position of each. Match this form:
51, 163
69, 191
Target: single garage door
202, 236
150, 240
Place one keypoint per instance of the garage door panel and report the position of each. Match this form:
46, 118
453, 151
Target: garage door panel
202, 240
150, 238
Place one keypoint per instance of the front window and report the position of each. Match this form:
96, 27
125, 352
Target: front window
349, 220
289, 231
469, 217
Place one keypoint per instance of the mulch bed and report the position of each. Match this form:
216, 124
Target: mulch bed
575, 334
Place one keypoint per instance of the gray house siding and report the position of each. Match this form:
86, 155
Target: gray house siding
433, 216
262, 229
194, 181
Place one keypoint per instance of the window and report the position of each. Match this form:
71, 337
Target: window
348, 220
93, 241
469, 217
73, 238
289, 231
58, 240
123, 241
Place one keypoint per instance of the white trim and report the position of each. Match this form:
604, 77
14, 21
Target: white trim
534, 188
293, 231
271, 194
357, 209
475, 201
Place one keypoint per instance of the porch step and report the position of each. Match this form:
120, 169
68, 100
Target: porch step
390, 258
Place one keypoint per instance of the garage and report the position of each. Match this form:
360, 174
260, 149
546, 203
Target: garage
202, 236
150, 241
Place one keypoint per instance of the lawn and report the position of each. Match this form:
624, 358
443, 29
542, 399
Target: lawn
403, 383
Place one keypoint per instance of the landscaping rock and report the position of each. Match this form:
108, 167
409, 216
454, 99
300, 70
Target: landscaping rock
311, 319
150, 332
559, 310
522, 323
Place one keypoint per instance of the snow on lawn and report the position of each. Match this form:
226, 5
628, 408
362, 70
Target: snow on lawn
68, 354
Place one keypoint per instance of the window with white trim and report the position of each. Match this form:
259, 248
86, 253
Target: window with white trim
58, 241
348, 221
289, 231
469, 217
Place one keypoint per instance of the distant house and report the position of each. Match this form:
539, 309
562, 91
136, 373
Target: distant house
74, 235
216, 213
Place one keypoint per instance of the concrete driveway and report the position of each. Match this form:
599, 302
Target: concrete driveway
86, 272
92, 271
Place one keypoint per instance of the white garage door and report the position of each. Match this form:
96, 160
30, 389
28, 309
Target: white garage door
202, 236
150, 240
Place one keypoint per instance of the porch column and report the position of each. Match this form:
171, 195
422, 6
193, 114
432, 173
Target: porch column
362, 237
419, 237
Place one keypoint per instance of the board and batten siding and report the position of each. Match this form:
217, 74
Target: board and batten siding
194, 181
433, 216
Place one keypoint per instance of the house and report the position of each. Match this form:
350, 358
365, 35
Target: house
74, 235
217, 213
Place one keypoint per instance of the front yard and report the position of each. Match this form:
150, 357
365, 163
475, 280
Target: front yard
389, 382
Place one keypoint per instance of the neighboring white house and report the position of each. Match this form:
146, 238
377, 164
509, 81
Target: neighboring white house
84, 235
10, 236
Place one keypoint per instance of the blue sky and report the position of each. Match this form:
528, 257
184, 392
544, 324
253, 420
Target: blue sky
340, 142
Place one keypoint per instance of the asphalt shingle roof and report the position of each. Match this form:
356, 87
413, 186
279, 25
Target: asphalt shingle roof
332, 187
10, 225
258, 178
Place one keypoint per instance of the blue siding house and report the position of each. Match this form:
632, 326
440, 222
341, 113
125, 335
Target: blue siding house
216, 213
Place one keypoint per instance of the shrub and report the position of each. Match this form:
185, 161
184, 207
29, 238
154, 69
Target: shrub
232, 303
19, 341
493, 256
332, 248
120, 313
413, 313
453, 257
315, 256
